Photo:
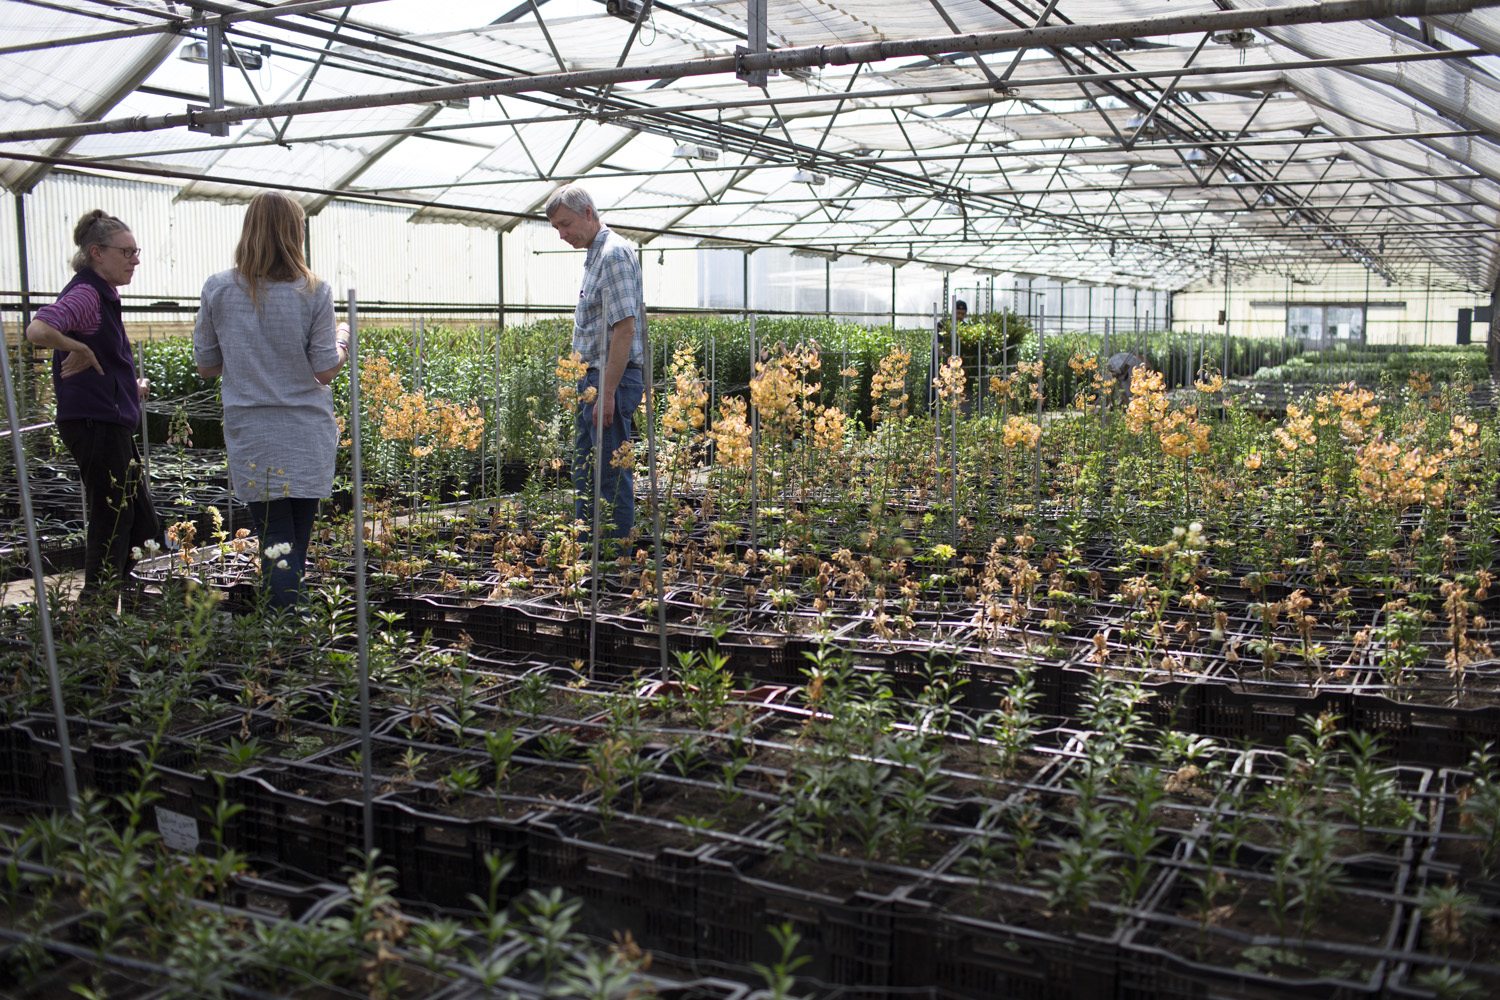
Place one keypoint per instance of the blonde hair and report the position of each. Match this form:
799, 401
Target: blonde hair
270, 247
95, 229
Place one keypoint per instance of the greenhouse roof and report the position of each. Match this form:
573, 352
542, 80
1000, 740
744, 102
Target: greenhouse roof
1138, 142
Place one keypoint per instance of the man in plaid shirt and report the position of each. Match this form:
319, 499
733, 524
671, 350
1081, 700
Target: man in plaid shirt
609, 332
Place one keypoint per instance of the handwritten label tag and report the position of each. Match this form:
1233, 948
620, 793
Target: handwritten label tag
178, 831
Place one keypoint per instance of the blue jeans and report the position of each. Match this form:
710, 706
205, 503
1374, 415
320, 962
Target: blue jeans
121, 515
618, 484
278, 522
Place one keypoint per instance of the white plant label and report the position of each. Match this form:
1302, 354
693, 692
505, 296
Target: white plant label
179, 832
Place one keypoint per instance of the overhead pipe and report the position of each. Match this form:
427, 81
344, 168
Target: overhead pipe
1047, 36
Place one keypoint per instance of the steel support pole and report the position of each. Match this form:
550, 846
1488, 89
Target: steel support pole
953, 424
894, 269
656, 501
754, 443
39, 581
23, 262
361, 595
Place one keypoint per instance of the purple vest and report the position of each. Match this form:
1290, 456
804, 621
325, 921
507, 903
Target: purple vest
110, 397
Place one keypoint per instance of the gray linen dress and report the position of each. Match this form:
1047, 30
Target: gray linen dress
279, 425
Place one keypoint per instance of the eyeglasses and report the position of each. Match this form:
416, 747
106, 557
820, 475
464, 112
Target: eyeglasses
131, 253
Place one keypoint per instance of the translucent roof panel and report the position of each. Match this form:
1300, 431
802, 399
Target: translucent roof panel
1109, 155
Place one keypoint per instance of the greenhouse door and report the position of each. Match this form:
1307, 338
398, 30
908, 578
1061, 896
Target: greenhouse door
1321, 326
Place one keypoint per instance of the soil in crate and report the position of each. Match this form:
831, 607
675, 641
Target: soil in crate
1238, 937
699, 803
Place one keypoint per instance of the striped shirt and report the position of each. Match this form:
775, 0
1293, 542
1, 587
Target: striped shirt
611, 291
75, 311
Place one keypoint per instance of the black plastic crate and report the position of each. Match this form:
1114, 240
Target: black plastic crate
441, 859
957, 956
650, 891
848, 935
1431, 735
285, 823
1232, 716
24, 780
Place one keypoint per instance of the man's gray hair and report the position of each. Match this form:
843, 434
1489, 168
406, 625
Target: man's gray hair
572, 197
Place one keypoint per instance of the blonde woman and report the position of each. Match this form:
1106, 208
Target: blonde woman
267, 327
99, 397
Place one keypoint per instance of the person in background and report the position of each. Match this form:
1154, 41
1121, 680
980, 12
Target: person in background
99, 396
267, 327
959, 314
609, 332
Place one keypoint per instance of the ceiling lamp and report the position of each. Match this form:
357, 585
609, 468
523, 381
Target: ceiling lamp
1240, 38
1141, 123
197, 52
1195, 155
692, 151
1267, 198
809, 177
952, 208
626, 10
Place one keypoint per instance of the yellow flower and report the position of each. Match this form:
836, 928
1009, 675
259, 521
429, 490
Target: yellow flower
1252, 460
1019, 432
731, 434
1211, 382
688, 399
1082, 363
828, 429
888, 386
951, 380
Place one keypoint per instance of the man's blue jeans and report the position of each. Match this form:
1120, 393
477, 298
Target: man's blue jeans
618, 484
288, 521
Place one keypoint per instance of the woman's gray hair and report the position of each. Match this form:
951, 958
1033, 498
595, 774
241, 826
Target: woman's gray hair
95, 229
572, 197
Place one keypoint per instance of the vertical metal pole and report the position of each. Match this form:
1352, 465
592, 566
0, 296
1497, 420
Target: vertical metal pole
598, 504
145, 428
1427, 314
1041, 358
215, 78
953, 423
1105, 377
754, 444
43, 611
361, 597
500, 276
893, 298
24, 264
499, 339
656, 501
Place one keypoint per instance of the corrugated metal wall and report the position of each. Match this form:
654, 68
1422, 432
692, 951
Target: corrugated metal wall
386, 259
370, 248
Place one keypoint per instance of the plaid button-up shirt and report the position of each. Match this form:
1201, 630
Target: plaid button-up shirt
611, 291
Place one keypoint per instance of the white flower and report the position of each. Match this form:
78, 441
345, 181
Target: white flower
136, 553
152, 546
281, 564
278, 550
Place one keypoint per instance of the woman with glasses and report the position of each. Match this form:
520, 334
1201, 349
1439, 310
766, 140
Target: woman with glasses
266, 325
99, 398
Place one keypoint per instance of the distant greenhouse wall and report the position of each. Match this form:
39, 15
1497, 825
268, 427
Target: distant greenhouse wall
401, 270
370, 248
1409, 313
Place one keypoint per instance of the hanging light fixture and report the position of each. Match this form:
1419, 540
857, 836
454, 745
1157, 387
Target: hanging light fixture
250, 58
692, 151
